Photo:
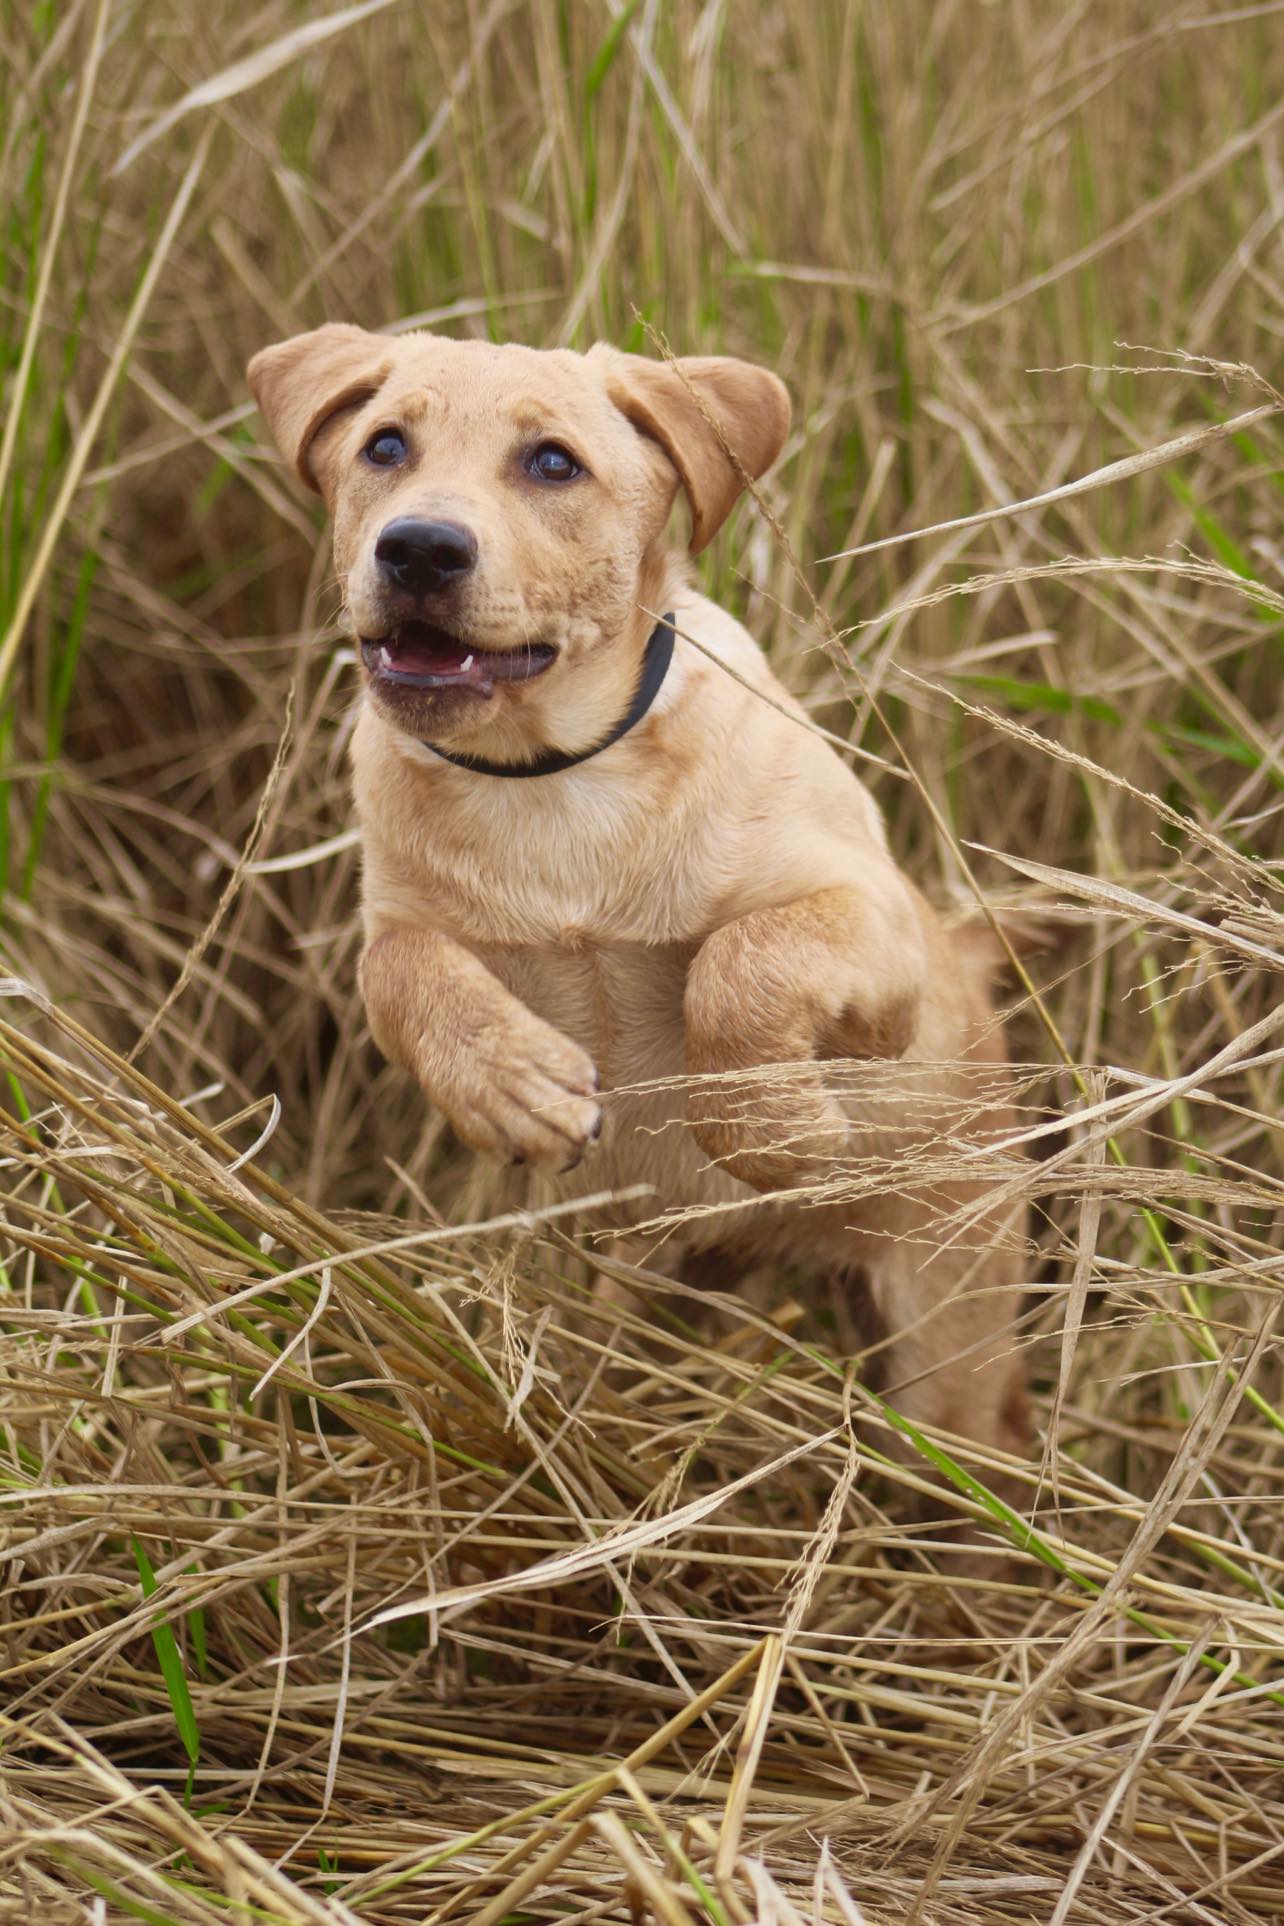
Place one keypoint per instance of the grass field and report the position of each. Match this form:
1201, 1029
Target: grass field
664, 1643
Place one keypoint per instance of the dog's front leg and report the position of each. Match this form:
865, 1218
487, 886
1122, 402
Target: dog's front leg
837, 973
509, 1083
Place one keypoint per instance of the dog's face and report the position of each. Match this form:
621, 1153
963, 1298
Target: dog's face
496, 509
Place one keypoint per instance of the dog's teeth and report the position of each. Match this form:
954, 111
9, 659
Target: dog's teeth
385, 658
465, 665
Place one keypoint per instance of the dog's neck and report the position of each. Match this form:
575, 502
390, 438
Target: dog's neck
572, 714
656, 658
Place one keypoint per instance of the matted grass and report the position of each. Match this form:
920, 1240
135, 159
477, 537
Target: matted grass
359, 1562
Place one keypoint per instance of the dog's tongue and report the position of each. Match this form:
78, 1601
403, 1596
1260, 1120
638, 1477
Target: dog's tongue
426, 657
424, 651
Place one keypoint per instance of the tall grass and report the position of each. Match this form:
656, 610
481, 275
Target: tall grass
657, 1636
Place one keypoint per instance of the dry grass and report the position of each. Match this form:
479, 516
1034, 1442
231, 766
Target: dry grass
358, 1565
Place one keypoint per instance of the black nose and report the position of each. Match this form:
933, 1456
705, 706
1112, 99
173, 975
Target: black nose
425, 555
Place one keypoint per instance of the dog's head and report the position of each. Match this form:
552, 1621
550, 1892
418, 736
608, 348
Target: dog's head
499, 511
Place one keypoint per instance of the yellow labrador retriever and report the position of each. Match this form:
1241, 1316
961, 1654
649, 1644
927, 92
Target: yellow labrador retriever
596, 862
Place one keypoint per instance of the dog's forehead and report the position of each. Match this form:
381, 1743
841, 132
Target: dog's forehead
504, 381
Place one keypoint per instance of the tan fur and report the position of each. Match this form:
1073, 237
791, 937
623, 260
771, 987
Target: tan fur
711, 894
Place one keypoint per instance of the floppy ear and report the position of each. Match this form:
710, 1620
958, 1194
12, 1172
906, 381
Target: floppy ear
716, 419
301, 383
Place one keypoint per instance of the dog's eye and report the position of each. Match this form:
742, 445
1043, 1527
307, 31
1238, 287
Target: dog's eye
552, 463
386, 449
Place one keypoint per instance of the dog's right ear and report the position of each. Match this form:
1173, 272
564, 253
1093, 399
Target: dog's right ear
301, 384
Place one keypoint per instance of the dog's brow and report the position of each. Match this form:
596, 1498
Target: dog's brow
533, 417
417, 401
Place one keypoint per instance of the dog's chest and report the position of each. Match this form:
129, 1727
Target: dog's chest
621, 1001
589, 869
587, 907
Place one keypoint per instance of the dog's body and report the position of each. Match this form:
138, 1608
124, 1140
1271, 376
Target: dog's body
710, 895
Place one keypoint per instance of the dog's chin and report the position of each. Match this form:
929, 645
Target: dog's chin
431, 682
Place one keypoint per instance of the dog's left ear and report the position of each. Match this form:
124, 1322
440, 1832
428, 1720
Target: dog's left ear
302, 384
718, 421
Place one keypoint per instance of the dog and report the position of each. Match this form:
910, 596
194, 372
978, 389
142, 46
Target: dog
605, 856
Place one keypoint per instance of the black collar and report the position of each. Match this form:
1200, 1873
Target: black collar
655, 666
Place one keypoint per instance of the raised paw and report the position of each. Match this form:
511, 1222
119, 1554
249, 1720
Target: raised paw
531, 1096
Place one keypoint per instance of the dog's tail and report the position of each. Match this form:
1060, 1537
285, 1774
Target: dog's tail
988, 947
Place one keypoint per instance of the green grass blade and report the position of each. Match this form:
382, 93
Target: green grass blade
171, 1663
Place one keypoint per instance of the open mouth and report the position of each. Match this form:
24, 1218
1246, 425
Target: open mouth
418, 656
